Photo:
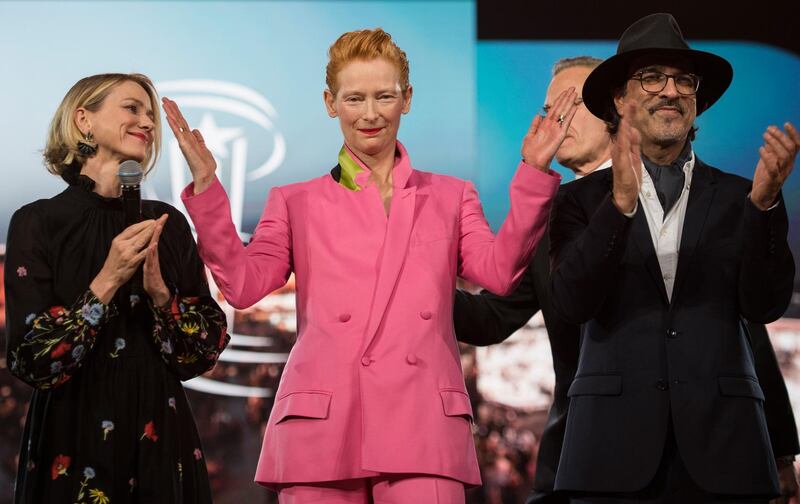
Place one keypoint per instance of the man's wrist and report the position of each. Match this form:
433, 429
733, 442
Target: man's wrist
623, 204
763, 203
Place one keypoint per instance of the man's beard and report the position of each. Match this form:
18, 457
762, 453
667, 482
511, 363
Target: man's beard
668, 133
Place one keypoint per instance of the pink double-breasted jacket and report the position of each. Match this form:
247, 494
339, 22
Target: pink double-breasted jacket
374, 382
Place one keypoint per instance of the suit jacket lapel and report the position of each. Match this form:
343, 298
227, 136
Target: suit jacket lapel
641, 237
395, 244
643, 242
701, 194
395, 251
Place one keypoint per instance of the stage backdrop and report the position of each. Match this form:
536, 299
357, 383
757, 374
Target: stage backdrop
250, 75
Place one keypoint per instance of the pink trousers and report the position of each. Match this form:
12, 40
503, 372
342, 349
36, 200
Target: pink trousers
394, 489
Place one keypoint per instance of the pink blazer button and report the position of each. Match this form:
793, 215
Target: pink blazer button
426, 315
344, 317
366, 361
411, 359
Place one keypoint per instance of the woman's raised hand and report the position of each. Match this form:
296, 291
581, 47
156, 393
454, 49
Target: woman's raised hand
201, 161
545, 135
128, 250
152, 281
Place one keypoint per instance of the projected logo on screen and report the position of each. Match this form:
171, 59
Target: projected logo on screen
238, 125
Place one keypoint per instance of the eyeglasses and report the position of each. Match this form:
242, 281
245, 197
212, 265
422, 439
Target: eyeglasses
655, 82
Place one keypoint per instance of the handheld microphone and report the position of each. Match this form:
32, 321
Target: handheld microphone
130, 176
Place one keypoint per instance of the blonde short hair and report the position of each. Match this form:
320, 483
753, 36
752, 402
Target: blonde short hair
364, 45
61, 152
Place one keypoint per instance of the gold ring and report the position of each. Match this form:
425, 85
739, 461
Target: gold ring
560, 119
180, 128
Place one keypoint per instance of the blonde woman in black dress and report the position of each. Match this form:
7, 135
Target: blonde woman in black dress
108, 422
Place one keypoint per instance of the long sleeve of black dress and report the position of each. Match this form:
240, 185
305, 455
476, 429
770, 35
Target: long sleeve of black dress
48, 341
190, 332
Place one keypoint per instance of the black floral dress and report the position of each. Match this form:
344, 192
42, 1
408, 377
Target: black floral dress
109, 422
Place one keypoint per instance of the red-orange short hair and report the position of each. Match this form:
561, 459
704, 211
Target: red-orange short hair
364, 45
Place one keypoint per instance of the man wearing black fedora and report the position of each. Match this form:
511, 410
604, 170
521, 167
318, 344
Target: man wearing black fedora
660, 258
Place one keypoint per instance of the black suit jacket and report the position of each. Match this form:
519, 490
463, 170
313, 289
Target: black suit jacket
486, 319
644, 359
777, 407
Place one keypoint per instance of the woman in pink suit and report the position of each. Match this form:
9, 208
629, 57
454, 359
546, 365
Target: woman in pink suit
372, 405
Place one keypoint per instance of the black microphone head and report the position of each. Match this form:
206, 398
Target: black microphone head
130, 173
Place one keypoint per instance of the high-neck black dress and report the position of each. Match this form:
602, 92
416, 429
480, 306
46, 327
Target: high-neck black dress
109, 422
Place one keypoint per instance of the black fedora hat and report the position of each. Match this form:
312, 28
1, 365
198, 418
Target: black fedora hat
656, 35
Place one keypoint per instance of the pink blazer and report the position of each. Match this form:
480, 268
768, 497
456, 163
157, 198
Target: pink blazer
374, 382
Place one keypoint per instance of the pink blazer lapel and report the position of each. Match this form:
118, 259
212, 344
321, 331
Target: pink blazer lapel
395, 245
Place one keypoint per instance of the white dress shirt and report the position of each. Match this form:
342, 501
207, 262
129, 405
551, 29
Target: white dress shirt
666, 231
603, 166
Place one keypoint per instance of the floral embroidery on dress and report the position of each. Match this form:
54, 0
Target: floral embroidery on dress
91, 313
57, 312
190, 328
171, 403
60, 466
198, 454
98, 497
182, 333
88, 473
60, 349
166, 346
186, 358
107, 426
119, 344
22, 271
57, 341
77, 352
150, 432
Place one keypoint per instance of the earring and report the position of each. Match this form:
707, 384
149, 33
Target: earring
87, 147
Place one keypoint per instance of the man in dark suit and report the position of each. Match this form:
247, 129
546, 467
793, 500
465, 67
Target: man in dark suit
660, 258
486, 319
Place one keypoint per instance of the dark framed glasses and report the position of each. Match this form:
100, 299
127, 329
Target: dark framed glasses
654, 82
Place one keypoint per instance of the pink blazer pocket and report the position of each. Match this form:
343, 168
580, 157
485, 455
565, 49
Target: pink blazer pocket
456, 403
310, 404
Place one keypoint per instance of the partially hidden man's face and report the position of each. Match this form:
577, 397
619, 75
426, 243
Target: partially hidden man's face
587, 138
663, 118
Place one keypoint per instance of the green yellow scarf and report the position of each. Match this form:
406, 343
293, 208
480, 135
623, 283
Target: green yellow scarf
350, 168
